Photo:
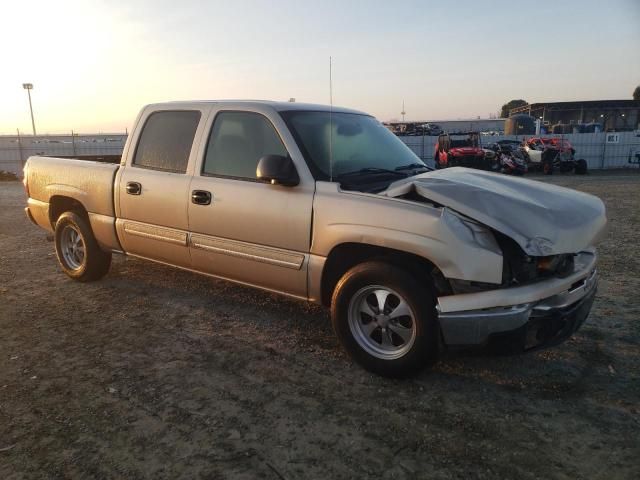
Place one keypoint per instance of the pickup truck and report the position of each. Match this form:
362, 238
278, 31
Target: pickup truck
325, 205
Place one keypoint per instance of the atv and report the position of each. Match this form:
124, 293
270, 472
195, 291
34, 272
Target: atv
548, 154
461, 152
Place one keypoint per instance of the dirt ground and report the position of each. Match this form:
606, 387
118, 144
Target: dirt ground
157, 373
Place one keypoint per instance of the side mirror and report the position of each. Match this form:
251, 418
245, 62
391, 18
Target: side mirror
277, 170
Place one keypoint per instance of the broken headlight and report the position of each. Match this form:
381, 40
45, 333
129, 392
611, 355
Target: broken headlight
519, 268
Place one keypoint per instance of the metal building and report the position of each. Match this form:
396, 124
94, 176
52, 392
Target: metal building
618, 115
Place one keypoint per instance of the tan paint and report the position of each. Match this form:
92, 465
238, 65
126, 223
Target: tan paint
104, 229
90, 183
40, 213
268, 236
352, 217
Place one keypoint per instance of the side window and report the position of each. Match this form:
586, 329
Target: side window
236, 143
166, 140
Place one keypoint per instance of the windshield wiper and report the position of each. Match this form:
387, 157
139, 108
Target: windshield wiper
414, 166
372, 171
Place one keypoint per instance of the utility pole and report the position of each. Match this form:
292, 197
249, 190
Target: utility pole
403, 112
28, 87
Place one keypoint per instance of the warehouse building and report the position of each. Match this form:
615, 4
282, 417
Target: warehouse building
618, 115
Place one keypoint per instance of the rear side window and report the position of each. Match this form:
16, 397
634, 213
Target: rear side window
237, 141
166, 140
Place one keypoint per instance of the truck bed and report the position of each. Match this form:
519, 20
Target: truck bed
89, 182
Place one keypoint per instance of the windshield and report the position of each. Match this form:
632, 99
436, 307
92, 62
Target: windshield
357, 142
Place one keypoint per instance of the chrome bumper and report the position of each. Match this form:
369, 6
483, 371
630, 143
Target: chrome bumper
570, 305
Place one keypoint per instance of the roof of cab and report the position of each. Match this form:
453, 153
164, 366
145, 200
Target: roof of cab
278, 106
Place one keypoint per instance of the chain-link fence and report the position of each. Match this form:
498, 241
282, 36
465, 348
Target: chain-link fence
15, 149
600, 150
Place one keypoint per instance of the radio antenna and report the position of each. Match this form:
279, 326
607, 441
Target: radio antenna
330, 123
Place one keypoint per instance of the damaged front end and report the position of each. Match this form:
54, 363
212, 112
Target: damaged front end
545, 235
531, 316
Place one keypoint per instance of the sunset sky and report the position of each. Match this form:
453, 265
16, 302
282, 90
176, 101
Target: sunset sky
95, 63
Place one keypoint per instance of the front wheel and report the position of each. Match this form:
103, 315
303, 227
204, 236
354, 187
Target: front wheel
385, 319
78, 251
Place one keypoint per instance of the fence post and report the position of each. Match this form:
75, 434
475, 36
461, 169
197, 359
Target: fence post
20, 148
422, 149
73, 143
604, 149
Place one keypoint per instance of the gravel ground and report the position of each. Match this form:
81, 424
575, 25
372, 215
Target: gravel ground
158, 373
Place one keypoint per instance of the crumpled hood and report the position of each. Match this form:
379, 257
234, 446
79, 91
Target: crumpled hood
543, 219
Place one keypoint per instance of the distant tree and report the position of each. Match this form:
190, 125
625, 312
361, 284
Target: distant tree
636, 93
504, 111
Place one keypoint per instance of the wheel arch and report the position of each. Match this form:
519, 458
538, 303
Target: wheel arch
58, 204
345, 256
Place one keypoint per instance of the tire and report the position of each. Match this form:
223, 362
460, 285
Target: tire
77, 250
581, 167
383, 344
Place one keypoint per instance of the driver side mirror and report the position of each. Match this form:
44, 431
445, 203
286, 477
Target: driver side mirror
277, 170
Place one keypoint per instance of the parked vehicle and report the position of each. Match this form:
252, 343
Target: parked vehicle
460, 152
508, 161
548, 154
407, 259
431, 129
510, 146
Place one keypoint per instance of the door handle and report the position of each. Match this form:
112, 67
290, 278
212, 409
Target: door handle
134, 188
201, 197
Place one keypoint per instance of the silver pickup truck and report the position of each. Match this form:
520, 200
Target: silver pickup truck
326, 205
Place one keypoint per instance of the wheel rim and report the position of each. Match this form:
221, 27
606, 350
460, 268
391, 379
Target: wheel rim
72, 247
382, 322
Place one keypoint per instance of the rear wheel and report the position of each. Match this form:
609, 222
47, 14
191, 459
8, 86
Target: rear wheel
78, 252
565, 167
581, 167
385, 319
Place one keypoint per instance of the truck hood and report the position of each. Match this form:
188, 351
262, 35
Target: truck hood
543, 219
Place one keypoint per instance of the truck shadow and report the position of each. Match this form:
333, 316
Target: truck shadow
296, 329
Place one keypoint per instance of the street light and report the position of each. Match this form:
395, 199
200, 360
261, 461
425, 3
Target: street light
28, 87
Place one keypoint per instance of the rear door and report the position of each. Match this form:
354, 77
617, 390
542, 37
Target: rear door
153, 196
243, 230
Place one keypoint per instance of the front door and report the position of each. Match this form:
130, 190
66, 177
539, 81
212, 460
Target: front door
243, 230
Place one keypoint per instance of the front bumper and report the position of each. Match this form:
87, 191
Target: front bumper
531, 323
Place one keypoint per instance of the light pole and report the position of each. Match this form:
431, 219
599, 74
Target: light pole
28, 87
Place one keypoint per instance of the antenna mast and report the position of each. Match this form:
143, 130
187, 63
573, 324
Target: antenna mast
330, 123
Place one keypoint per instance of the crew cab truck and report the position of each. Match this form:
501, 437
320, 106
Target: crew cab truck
326, 205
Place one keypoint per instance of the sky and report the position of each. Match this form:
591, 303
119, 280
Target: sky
95, 63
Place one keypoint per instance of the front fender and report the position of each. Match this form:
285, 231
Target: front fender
429, 232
